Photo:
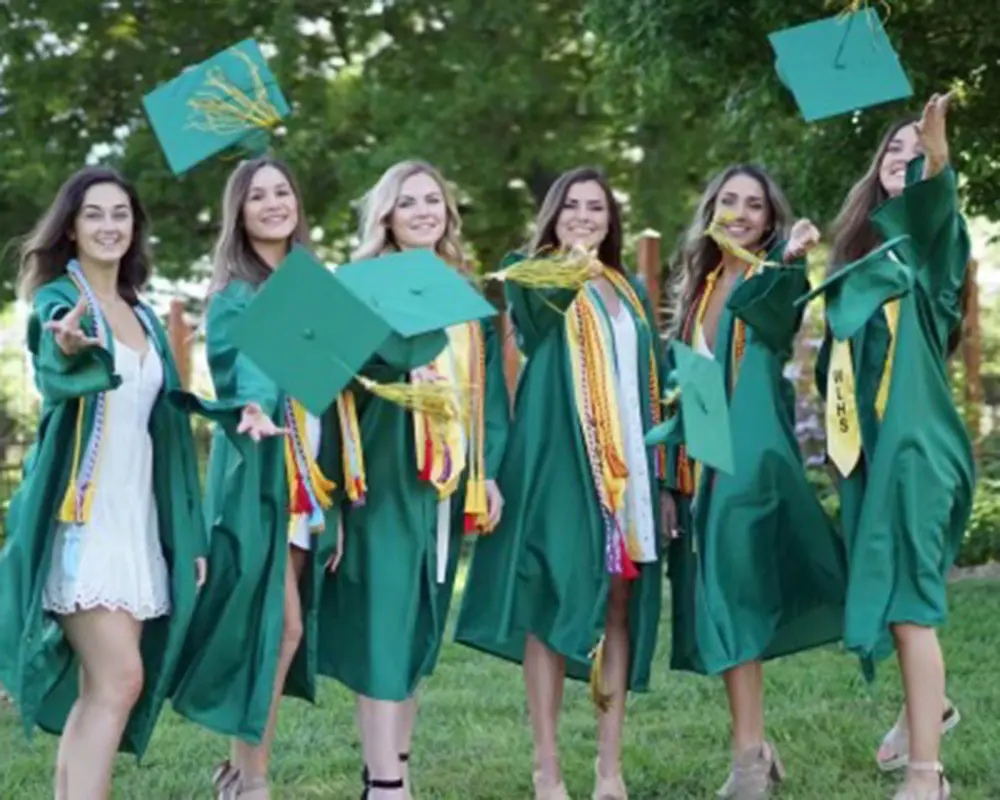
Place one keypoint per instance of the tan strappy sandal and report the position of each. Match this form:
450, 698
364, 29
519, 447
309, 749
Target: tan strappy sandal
608, 788
942, 792
756, 771
557, 792
894, 752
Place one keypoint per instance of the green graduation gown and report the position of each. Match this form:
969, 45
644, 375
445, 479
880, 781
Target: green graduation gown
905, 506
37, 665
386, 611
543, 570
232, 652
758, 571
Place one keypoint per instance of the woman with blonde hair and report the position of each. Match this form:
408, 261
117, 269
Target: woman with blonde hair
423, 484
271, 502
570, 584
98, 574
756, 569
894, 436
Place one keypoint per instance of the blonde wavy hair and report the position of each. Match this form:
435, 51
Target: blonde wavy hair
375, 231
698, 255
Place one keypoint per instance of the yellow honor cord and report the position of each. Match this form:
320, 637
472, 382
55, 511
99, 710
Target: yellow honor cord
892, 319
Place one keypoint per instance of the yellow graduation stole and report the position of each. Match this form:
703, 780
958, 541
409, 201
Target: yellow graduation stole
445, 448
843, 428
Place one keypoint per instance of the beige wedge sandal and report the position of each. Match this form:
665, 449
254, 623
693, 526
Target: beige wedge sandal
608, 788
756, 771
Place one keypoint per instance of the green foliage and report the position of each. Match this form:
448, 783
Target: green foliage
720, 52
499, 96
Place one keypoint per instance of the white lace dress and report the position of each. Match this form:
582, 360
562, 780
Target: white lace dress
118, 562
300, 536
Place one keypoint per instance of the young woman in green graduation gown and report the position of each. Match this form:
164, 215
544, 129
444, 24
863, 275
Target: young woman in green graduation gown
414, 487
105, 539
270, 502
757, 571
894, 437
570, 583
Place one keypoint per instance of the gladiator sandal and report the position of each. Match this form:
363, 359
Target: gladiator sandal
942, 792
404, 759
894, 752
226, 781
756, 771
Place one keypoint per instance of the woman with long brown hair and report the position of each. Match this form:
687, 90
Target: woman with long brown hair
270, 502
570, 583
894, 436
98, 574
417, 486
756, 569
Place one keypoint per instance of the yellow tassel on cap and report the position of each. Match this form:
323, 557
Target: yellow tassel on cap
601, 700
716, 233
436, 399
561, 271
228, 109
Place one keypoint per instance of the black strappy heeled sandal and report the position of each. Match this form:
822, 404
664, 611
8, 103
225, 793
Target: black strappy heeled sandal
377, 784
365, 775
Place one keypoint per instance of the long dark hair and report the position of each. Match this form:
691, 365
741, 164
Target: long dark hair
610, 250
45, 251
854, 236
233, 256
698, 254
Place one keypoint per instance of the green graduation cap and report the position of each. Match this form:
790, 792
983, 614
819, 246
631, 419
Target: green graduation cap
839, 64
230, 99
311, 330
859, 289
704, 410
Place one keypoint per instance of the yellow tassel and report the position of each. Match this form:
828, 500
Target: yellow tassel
854, 6
561, 271
671, 398
718, 235
234, 111
437, 399
67, 509
601, 700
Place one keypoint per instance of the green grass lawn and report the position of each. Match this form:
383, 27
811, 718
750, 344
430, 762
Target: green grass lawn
473, 740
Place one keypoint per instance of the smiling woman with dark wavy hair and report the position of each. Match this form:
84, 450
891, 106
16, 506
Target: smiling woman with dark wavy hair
105, 539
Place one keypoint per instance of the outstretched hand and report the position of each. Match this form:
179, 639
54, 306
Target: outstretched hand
68, 330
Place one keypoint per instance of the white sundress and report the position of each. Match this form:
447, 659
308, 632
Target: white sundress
639, 499
300, 536
119, 562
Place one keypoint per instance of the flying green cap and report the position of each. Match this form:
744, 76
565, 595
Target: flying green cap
311, 330
855, 292
704, 410
839, 64
230, 99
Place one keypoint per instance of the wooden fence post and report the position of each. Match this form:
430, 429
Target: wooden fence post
180, 340
649, 266
972, 355
511, 355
